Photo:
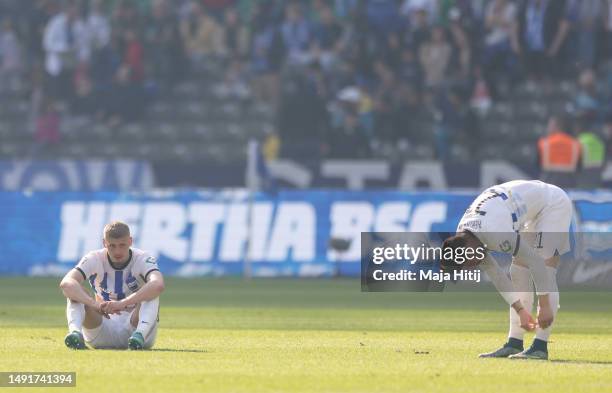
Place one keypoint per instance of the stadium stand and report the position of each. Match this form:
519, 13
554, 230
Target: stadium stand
187, 81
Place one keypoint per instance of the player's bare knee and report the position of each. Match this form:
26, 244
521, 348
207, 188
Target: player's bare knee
519, 262
553, 261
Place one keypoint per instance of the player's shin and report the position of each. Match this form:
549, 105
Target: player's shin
148, 316
521, 280
75, 313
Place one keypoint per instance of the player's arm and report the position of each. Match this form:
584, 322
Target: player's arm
506, 289
152, 289
72, 289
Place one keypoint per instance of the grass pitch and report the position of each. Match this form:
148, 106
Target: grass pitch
230, 335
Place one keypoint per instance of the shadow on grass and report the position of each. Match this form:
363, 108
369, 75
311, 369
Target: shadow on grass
178, 350
573, 361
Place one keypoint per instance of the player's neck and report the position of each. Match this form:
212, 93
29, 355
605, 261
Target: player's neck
119, 265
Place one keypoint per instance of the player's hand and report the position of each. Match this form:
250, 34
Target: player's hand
545, 316
100, 307
115, 307
527, 321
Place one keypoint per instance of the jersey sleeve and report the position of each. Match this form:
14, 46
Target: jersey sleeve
87, 265
146, 265
500, 279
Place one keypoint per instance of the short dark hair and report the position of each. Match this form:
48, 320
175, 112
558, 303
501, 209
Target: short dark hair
116, 230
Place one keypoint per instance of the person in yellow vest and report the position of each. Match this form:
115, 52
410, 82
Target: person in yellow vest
559, 153
593, 157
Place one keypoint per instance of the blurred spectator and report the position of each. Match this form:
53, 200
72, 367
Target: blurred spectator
202, 35
461, 43
590, 22
382, 17
10, 58
587, 103
409, 69
125, 100
481, 97
164, 47
83, 39
435, 57
327, 38
559, 153
541, 32
415, 9
457, 123
384, 99
303, 120
593, 158
296, 33
235, 36
59, 43
99, 28
498, 58
418, 21
266, 55
133, 56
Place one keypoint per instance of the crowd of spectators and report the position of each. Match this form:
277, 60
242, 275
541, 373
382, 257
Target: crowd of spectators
344, 76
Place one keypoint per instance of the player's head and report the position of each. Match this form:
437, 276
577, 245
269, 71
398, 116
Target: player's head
117, 240
456, 247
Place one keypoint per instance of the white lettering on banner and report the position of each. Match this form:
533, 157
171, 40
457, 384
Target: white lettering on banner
294, 230
206, 218
348, 220
261, 220
128, 212
392, 217
235, 233
81, 232
206, 231
163, 224
426, 214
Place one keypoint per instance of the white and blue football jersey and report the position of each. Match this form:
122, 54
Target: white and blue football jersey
112, 283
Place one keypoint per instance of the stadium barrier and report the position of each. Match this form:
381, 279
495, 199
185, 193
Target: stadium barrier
217, 232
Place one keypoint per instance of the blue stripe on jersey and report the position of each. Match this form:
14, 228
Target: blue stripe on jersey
92, 282
105, 294
119, 284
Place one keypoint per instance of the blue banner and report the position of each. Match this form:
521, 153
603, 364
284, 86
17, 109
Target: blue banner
225, 232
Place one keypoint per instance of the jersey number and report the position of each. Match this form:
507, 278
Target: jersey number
538, 240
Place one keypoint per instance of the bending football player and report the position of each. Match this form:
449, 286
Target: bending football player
529, 220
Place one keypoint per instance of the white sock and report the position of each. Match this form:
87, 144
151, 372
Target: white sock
523, 284
553, 298
148, 316
75, 313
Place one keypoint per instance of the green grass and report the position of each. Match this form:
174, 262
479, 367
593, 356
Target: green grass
230, 335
